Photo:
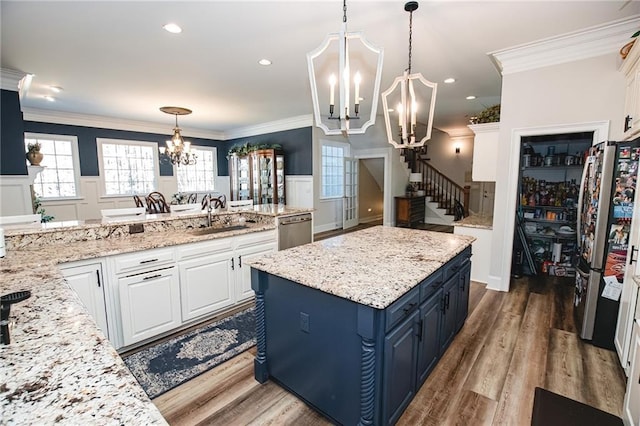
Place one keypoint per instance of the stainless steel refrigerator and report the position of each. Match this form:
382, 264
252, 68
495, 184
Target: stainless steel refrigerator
605, 207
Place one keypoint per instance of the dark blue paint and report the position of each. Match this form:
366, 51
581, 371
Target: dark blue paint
12, 151
88, 147
296, 144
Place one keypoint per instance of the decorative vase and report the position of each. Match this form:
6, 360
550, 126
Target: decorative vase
34, 157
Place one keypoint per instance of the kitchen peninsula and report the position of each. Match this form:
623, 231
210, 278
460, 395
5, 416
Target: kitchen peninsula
59, 366
354, 324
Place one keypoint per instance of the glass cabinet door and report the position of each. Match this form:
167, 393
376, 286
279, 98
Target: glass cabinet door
240, 175
267, 178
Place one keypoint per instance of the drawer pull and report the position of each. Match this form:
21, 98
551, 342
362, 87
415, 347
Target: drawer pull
150, 277
409, 308
148, 261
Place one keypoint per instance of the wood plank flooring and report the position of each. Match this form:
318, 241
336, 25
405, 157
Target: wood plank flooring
511, 343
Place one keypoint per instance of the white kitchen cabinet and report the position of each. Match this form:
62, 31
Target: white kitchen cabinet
631, 69
87, 281
206, 284
250, 247
485, 151
631, 405
149, 304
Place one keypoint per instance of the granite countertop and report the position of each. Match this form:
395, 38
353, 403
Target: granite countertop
373, 267
476, 221
59, 367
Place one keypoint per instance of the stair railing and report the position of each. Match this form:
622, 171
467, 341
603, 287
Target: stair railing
448, 194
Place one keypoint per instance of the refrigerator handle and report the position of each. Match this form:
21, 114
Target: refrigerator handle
633, 251
580, 199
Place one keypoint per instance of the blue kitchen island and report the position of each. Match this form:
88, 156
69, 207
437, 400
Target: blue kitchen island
353, 325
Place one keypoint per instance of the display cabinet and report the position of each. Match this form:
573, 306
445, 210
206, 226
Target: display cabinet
267, 167
550, 173
258, 175
240, 174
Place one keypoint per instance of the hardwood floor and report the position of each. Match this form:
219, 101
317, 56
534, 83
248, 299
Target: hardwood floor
511, 343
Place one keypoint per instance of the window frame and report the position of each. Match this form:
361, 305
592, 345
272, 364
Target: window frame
75, 158
101, 171
176, 169
345, 154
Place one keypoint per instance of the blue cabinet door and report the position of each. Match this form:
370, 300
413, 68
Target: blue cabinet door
429, 335
400, 352
450, 294
464, 280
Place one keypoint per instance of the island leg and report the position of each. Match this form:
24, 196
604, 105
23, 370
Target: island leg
260, 371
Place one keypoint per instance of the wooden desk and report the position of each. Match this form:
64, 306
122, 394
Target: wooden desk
410, 211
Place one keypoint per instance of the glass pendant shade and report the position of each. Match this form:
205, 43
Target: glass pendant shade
408, 107
344, 73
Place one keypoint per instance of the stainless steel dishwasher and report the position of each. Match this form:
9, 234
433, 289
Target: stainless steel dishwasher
294, 231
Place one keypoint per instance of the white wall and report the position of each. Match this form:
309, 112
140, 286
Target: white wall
590, 90
441, 151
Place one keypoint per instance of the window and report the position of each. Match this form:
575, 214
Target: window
60, 176
128, 167
333, 169
199, 177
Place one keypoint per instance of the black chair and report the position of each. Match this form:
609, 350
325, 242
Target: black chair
156, 203
217, 202
192, 198
138, 201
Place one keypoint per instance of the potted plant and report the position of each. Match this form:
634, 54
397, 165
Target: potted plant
33, 154
488, 115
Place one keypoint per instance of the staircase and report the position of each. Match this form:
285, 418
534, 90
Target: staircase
446, 200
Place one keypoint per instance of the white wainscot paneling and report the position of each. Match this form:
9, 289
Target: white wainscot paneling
299, 191
15, 195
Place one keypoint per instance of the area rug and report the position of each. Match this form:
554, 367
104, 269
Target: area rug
163, 367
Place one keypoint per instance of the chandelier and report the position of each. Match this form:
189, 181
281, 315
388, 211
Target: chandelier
177, 150
414, 122
331, 65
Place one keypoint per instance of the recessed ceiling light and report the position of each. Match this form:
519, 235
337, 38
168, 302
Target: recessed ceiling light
56, 89
264, 62
50, 98
173, 28
470, 98
449, 80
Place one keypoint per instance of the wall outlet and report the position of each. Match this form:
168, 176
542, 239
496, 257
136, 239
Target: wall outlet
304, 322
136, 228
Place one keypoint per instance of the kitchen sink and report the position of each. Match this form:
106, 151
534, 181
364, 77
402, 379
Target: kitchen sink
207, 231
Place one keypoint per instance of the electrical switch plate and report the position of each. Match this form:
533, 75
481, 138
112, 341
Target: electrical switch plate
304, 322
136, 228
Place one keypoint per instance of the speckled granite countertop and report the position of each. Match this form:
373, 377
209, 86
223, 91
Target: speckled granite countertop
373, 267
59, 367
476, 221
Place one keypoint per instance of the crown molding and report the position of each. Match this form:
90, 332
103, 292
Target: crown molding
87, 120
484, 127
10, 79
271, 127
583, 44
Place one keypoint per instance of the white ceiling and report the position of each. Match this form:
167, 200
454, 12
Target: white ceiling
113, 58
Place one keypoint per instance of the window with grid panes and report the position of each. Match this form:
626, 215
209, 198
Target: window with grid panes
128, 167
199, 177
59, 179
333, 169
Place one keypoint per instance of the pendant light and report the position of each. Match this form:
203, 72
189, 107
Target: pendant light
345, 61
412, 100
178, 151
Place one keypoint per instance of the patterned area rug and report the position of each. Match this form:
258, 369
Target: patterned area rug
163, 367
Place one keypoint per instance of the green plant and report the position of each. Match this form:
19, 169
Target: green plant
33, 147
488, 115
37, 206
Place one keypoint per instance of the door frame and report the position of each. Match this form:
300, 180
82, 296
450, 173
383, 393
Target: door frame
385, 154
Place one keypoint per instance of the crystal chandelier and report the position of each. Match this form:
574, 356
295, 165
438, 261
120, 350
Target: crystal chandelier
414, 122
331, 65
177, 150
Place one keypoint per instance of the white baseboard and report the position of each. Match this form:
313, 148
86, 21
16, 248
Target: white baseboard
370, 219
327, 227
